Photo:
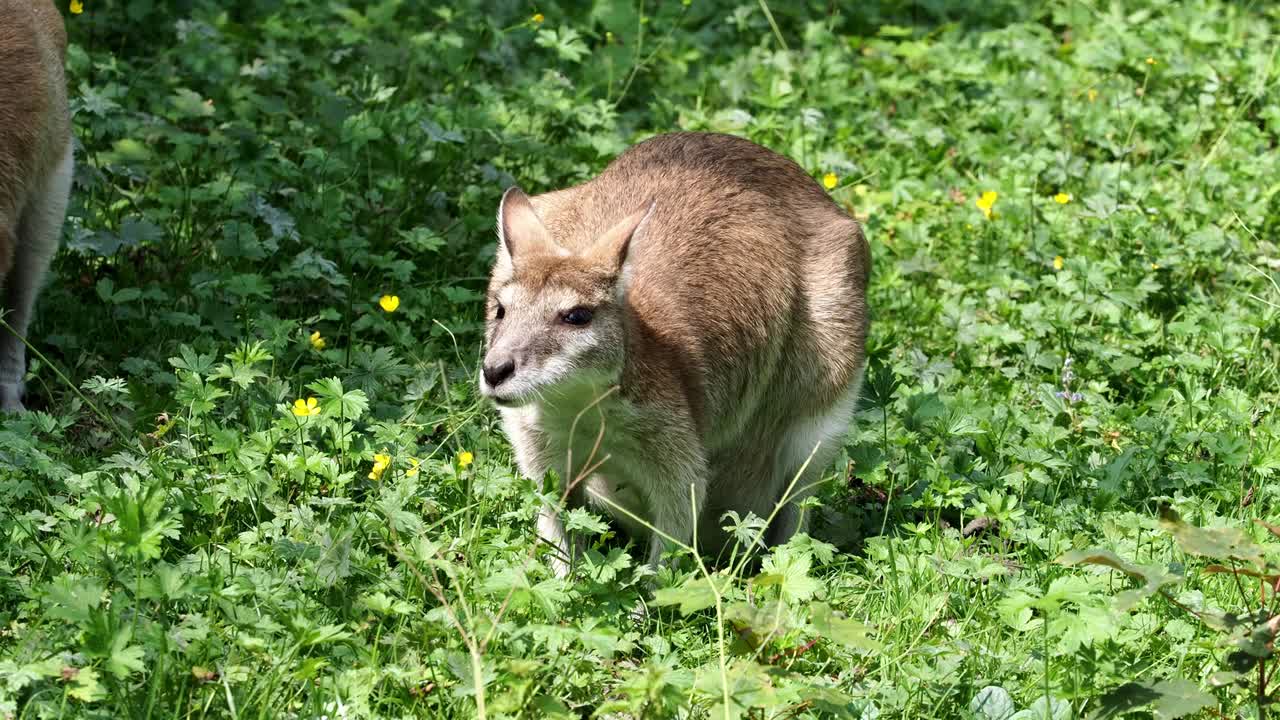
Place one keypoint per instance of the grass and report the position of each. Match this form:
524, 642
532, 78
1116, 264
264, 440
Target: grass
177, 542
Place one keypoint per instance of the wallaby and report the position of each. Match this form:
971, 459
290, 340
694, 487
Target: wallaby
720, 292
35, 170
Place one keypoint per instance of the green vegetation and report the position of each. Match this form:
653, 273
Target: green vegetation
1069, 375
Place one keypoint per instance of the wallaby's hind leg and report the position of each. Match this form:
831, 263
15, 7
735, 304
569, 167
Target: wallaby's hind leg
10, 395
824, 432
39, 230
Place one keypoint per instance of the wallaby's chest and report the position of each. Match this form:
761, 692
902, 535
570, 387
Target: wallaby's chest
598, 449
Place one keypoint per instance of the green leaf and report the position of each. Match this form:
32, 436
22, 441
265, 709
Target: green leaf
770, 619
336, 401
992, 703
189, 103
836, 628
191, 361
1153, 577
1045, 708
143, 520
125, 660
565, 41
85, 686
1171, 699
319, 635
790, 568
72, 597
423, 240
1217, 543
335, 563
696, 593
584, 521
834, 703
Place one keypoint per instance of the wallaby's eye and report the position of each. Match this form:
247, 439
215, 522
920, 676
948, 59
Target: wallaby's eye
578, 316
501, 313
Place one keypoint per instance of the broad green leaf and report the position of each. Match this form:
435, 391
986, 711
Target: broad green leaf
770, 619
335, 562
188, 103
835, 628
694, 594
339, 402
1045, 708
72, 597
992, 703
1170, 699
583, 520
125, 660
749, 685
1217, 543
85, 686
792, 568
833, 702
1153, 578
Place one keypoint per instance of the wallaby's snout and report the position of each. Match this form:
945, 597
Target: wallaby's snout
507, 353
497, 368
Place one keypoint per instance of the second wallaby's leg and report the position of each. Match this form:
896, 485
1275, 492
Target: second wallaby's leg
10, 386
38, 232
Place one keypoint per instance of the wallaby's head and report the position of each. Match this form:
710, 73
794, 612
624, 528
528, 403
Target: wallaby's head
555, 318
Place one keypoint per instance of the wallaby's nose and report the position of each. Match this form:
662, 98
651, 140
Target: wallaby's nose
497, 373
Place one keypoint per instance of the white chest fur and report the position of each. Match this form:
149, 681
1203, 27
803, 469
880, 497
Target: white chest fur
587, 434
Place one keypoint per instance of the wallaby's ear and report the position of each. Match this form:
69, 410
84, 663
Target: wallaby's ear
520, 232
613, 246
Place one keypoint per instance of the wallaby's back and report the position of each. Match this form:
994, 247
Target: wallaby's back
748, 283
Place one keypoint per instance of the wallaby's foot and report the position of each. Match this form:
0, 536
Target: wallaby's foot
640, 612
559, 567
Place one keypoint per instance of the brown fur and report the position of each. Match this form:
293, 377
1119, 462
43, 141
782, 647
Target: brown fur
35, 139
744, 310
34, 122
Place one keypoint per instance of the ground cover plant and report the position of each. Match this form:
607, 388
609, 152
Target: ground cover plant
257, 480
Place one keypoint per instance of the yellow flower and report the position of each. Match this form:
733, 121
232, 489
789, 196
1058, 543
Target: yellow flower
306, 408
389, 302
317, 342
1093, 95
413, 468
830, 180
1062, 198
465, 458
1057, 262
537, 18
1151, 61
1155, 266
380, 464
986, 202
77, 7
